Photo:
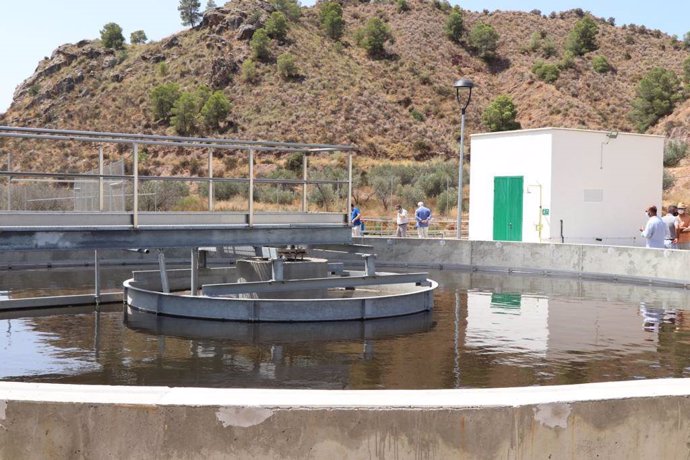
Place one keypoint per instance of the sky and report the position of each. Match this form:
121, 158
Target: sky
31, 30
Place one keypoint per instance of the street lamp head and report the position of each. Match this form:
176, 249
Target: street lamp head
462, 85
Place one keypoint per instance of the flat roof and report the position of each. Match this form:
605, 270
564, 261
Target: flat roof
544, 130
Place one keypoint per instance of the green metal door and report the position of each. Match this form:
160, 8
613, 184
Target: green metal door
508, 208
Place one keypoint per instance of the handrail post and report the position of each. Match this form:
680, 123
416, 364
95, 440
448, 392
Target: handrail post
210, 180
304, 185
9, 181
101, 203
135, 210
251, 187
349, 183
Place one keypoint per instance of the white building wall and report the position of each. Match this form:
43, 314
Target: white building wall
515, 153
601, 185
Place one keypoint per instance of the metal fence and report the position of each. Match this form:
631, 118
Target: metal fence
109, 188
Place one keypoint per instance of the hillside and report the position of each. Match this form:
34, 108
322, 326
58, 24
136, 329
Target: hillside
342, 95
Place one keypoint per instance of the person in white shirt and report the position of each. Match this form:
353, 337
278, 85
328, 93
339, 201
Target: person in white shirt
655, 230
402, 220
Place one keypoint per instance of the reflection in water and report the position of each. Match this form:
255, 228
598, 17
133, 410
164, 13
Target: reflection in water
485, 331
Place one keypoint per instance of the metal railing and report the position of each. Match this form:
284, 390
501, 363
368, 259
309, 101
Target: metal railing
134, 187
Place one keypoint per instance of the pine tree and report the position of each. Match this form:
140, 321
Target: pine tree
189, 12
210, 5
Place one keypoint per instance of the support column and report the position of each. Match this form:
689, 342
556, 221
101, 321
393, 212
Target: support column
369, 264
277, 271
210, 180
135, 206
9, 181
96, 277
349, 184
101, 198
165, 287
251, 188
304, 179
194, 282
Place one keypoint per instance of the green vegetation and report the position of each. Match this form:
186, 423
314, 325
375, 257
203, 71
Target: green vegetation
163, 99
138, 37
500, 114
374, 36
583, 38
546, 72
483, 40
600, 64
454, 25
686, 40
668, 180
417, 115
161, 195
287, 67
657, 94
111, 36
290, 8
215, 110
210, 5
568, 60
447, 200
184, 114
249, 73
402, 6
259, 45
674, 151
189, 12
277, 26
686, 74
331, 17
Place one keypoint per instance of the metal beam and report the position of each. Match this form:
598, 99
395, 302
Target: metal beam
171, 237
314, 283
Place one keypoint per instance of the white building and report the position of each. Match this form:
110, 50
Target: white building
557, 184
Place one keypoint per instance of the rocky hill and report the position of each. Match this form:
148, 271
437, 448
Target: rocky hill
401, 106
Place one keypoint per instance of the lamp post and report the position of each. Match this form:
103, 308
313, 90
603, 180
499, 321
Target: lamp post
460, 87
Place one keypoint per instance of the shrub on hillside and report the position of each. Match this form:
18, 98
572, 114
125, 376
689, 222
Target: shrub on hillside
295, 162
686, 40
331, 17
185, 114
163, 98
500, 114
249, 73
161, 195
483, 39
568, 60
215, 110
290, 8
686, 73
287, 67
277, 26
600, 64
259, 44
454, 25
548, 48
657, 94
447, 200
138, 37
546, 72
402, 6
417, 115
668, 180
111, 36
674, 151
583, 37
374, 36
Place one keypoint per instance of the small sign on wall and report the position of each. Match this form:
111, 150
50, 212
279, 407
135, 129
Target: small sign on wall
545, 212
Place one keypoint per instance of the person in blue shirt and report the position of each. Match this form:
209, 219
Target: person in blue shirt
423, 217
356, 221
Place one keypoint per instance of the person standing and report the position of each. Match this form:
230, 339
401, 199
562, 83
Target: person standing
669, 219
655, 230
423, 217
356, 221
401, 220
683, 227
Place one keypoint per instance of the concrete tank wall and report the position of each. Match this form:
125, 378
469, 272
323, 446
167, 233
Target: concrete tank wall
631, 420
620, 263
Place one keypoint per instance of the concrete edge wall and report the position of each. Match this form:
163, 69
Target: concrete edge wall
630, 264
642, 419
